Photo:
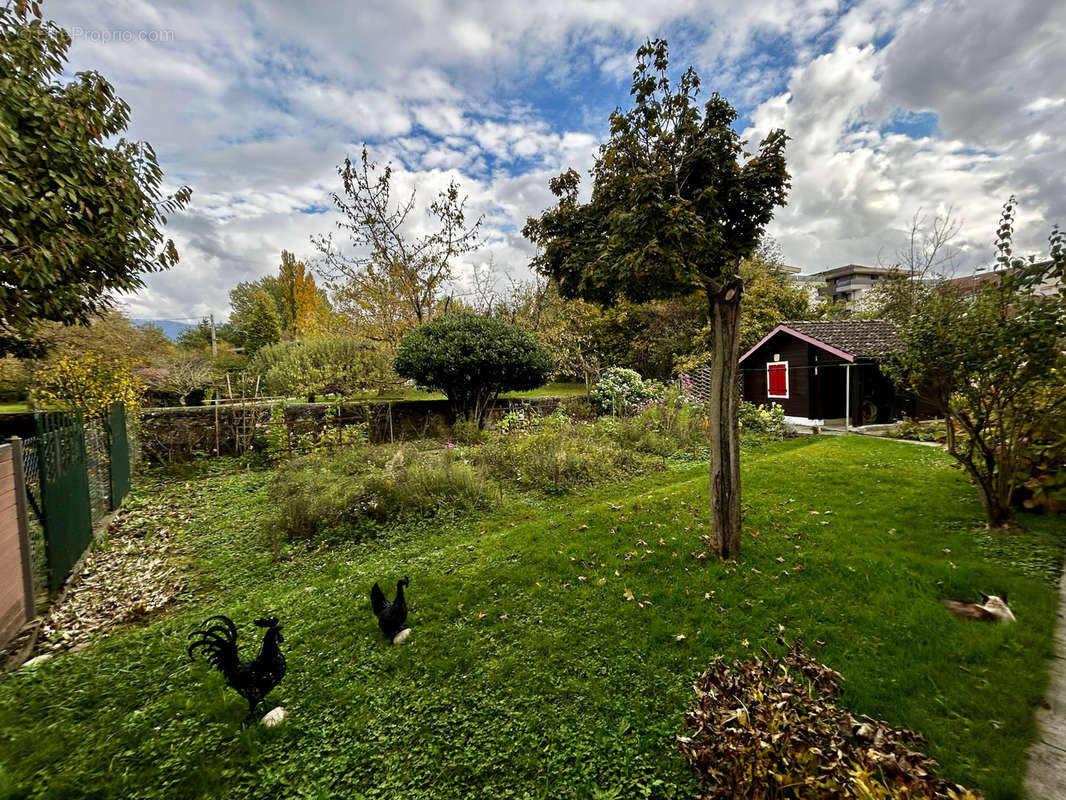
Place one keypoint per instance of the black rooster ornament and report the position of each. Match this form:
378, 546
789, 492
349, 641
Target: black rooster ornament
392, 615
252, 680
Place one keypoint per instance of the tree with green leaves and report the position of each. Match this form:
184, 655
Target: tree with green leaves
242, 298
340, 365
86, 382
264, 325
110, 335
676, 207
82, 208
770, 295
472, 359
992, 361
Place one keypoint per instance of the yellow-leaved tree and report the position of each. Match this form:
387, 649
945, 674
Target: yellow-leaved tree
87, 382
299, 298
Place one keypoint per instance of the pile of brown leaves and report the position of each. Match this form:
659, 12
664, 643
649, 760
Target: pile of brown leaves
129, 578
771, 728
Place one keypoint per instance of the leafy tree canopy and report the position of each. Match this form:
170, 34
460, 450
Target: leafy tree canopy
81, 211
264, 324
109, 335
673, 208
770, 295
87, 382
242, 300
676, 206
472, 359
299, 298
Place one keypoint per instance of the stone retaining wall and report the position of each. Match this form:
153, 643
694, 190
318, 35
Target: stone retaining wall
182, 433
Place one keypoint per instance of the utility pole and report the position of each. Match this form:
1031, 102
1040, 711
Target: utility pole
214, 355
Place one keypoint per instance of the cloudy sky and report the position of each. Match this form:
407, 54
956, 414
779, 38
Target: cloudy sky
892, 106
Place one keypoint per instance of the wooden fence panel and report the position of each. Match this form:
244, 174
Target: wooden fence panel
16, 583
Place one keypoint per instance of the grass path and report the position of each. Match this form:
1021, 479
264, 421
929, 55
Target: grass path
530, 674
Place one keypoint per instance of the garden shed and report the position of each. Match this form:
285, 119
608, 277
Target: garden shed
827, 373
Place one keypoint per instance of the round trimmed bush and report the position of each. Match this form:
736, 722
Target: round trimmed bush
472, 359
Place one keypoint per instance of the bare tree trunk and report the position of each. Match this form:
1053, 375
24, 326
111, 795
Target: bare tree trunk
724, 439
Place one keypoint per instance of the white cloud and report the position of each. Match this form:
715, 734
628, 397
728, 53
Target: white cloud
255, 105
856, 185
1044, 103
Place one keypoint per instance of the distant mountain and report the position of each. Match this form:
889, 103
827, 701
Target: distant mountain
171, 329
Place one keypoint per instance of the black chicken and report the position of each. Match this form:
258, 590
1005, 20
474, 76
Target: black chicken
252, 680
391, 615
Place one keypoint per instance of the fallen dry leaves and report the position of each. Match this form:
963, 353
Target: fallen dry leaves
132, 577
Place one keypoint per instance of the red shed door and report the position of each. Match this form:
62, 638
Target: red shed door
777, 379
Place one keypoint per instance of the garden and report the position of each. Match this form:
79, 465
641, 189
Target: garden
594, 609
562, 603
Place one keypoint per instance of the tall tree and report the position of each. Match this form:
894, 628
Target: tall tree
299, 297
676, 206
82, 209
109, 335
390, 279
242, 299
264, 325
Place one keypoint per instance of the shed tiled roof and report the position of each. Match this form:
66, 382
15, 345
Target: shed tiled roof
862, 338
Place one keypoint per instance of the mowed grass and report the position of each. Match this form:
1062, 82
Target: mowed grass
529, 674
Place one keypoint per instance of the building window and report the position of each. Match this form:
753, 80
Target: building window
777, 379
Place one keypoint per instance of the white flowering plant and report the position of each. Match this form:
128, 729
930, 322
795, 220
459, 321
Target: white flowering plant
623, 391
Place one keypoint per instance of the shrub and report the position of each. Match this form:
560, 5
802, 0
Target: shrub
341, 365
182, 376
772, 729
576, 407
14, 380
521, 419
664, 427
472, 359
1041, 477
623, 391
909, 428
416, 484
556, 454
356, 490
769, 421
466, 432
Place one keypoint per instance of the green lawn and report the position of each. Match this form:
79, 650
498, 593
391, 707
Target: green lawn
564, 688
10, 408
